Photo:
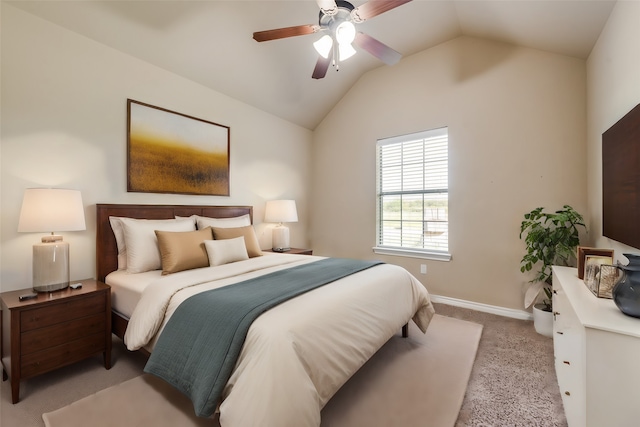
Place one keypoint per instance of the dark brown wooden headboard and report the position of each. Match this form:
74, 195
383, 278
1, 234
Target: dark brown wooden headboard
106, 249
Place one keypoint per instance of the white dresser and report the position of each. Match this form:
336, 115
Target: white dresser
597, 356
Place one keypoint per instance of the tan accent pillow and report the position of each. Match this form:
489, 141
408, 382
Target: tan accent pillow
183, 250
249, 234
226, 251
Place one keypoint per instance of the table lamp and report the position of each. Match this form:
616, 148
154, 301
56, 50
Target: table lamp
280, 211
51, 210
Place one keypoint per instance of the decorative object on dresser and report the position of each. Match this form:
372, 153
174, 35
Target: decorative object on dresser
53, 330
551, 239
280, 211
626, 292
169, 152
592, 265
583, 252
607, 278
596, 351
51, 210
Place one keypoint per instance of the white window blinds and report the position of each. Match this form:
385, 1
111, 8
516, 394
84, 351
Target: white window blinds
413, 192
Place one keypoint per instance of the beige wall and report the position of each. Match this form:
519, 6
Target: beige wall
64, 125
613, 85
516, 117
517, 140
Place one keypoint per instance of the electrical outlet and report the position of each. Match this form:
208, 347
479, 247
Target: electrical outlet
423, 268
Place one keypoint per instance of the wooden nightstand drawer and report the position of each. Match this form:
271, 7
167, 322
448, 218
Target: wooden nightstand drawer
62, 312
55, 357
51, 336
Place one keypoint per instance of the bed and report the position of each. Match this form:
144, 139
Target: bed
296, 355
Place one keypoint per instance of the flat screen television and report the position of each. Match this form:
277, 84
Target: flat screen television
621, 180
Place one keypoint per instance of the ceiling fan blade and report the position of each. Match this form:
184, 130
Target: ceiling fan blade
328, 7
281, 33
374, 8
322, 65
377, 49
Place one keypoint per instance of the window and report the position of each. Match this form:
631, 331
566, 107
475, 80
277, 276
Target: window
413, 194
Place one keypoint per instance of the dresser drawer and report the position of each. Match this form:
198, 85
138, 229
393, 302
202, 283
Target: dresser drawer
55, 357
51, 336
63, 311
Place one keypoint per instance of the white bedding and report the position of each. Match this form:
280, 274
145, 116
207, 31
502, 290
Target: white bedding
127, 288
298, 354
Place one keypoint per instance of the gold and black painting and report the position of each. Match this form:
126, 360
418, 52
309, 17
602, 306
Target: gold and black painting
169, 152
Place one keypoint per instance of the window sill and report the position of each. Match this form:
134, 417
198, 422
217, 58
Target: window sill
436, 256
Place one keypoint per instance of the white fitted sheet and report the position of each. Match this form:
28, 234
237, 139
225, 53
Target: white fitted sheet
127, 288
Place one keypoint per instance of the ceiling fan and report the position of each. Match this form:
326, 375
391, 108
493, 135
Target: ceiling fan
336, 20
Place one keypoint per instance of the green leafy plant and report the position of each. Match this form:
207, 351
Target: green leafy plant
551, 239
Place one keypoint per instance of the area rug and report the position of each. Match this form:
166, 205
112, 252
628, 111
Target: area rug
415, 381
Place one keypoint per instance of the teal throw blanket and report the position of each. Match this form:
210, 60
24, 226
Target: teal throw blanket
200, 344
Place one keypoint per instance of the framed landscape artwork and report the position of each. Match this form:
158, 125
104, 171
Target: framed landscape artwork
169, 152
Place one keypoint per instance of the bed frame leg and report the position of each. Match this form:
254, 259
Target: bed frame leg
405, 330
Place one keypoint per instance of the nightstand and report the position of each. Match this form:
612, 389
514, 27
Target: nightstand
53, 330
295, 251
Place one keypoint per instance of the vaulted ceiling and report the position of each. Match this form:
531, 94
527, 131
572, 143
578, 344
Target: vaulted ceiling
210, 42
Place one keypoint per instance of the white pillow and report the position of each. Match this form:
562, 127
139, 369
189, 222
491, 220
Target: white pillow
226, 251
237, 221
118, 231
141, 242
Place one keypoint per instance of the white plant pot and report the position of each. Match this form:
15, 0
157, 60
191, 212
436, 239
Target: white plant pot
543, 321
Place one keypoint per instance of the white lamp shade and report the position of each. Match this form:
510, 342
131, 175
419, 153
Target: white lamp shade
51, 209
281, 211
345, 33
346, 51
324, 45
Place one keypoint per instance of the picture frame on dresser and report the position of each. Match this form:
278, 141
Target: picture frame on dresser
609, 275
592, 269
583, 251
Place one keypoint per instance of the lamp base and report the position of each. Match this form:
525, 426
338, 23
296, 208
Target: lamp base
50, 266
280, 239
51, 288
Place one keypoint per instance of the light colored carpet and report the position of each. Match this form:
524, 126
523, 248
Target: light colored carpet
513, 382
418, 381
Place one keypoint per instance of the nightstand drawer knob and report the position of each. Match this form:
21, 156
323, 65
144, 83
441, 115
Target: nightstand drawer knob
566, 362
567, 393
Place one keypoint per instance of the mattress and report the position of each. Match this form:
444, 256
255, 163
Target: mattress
126, 289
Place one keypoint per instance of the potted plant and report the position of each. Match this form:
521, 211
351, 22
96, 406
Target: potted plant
551, 239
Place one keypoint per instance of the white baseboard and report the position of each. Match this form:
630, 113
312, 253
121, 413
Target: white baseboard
493, 309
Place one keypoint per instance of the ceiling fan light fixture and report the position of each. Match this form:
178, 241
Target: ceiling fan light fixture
345, 33
323, 45
346, 51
